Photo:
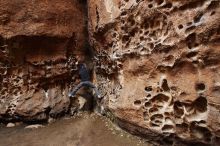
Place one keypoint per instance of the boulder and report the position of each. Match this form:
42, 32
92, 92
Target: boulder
10, 125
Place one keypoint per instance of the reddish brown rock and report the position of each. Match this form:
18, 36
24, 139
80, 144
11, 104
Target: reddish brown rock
39, 41
158, 65
58, 18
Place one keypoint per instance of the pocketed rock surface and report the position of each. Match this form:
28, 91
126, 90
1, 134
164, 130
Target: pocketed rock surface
39, 41
158, 64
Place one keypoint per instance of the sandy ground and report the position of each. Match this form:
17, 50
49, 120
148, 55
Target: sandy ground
82, 130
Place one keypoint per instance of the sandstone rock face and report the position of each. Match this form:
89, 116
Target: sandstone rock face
38, 43
158, 65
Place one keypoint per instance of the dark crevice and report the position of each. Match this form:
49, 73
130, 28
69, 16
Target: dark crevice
192, 5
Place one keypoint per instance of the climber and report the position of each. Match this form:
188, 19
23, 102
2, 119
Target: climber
85, 81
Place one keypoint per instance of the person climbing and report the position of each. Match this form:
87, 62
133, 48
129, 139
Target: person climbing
85, 81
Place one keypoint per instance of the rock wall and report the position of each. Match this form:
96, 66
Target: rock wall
39, 41
158, 63
158, 66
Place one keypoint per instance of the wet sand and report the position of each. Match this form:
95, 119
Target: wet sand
82, 130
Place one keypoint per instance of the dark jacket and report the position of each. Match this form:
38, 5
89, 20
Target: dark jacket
84, 73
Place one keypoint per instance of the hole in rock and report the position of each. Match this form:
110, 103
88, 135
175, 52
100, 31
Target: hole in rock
153, 109
212, 13
131, 22
159, 2
110, 44
160, 98
180, 26
157, 119
137, 102
141, 38
189, 108
157, 116
149, 95
198, 17
167, 128
191, 39
147, 104
200, 132
148, 89
146, 33
158, 105
182, 127
133, 31
123, 13
114, 35
195, 62
158, 122
190, 28
154, 125
183, 93
151, 45
165, 86
125, 38
200, 86
173, 88
201, 104
191, 54
145, 25
168, 114
189, 23
178, 109
150, 6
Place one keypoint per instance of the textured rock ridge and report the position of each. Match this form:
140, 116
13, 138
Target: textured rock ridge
158, 65
39, 41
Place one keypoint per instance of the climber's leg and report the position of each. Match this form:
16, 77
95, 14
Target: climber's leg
87, 84
80, 85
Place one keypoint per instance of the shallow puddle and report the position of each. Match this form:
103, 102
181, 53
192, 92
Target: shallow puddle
82, 130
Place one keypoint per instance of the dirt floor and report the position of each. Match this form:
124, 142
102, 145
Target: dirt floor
82, 130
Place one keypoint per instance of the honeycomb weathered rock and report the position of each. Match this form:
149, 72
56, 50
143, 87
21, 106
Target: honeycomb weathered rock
158, 65
39, 41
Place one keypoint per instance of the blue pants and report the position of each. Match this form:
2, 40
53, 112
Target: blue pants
86, 84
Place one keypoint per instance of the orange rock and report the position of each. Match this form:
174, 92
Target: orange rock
160, 63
